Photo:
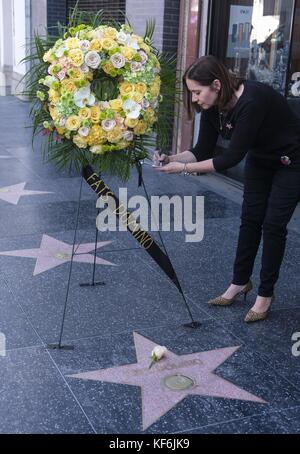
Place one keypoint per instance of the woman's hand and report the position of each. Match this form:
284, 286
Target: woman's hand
172, 167
160, 158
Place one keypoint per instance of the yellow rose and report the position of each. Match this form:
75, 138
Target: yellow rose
154, 90
96, 136
81, 142
68, 85
60, 131
137, 97
126, 88
128, 52
96, 45
131, 122
150, 112
140, 88
53, 96
75, 73
116, 104
89, 76
54, 113
85, 113
108, 67
73, 123
110, 32
145, 47
95, 114
114, 135
140, 128
151, 116
136, 37
76, 56
108, 43
72, 43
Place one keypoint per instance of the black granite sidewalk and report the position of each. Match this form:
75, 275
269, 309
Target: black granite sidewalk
236, 378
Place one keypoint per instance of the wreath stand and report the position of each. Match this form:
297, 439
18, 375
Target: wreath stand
59, 346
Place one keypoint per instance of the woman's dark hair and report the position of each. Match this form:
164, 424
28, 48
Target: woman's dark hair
205, 70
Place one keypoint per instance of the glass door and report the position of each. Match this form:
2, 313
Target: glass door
253, 37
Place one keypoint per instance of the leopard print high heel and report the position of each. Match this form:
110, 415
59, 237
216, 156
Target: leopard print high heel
221, 301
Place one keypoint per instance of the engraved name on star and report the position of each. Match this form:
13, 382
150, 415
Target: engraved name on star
13, 193
53, 253
157, 398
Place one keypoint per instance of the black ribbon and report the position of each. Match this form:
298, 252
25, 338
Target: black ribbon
139, 169
143, 237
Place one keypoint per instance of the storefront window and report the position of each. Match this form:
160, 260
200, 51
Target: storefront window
294, 67
258, 38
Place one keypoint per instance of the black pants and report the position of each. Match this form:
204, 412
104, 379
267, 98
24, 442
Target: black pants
271, 194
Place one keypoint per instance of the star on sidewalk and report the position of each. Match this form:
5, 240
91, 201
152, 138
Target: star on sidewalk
52, 253
12, 194
192, 374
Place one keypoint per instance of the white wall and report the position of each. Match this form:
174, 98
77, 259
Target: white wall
19, 35
139, 11
39, 16
15, 31
6, 53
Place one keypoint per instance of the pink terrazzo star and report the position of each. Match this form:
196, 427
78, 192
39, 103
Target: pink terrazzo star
12, 194
52, 253
157, 398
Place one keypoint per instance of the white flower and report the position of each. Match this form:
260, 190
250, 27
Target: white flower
83, 131
108, 125
136, 66
48, 81
131, 108
143, 55
117, 60
157, 353
127, 40
145, 103
132, 42
83, 97
92, 59
84, 68
128, 135
62, 122
98, 34
84, 45
103, 104
122, 37
154, 103
60, 51
156, 70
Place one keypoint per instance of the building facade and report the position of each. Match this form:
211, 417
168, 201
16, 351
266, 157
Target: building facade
259, 39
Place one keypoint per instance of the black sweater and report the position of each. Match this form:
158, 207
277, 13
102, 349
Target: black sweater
261, 122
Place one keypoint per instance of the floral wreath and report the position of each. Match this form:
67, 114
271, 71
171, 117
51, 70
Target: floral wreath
96, 94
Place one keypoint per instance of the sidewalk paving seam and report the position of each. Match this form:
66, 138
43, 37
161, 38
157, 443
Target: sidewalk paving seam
71, 392
280, 410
